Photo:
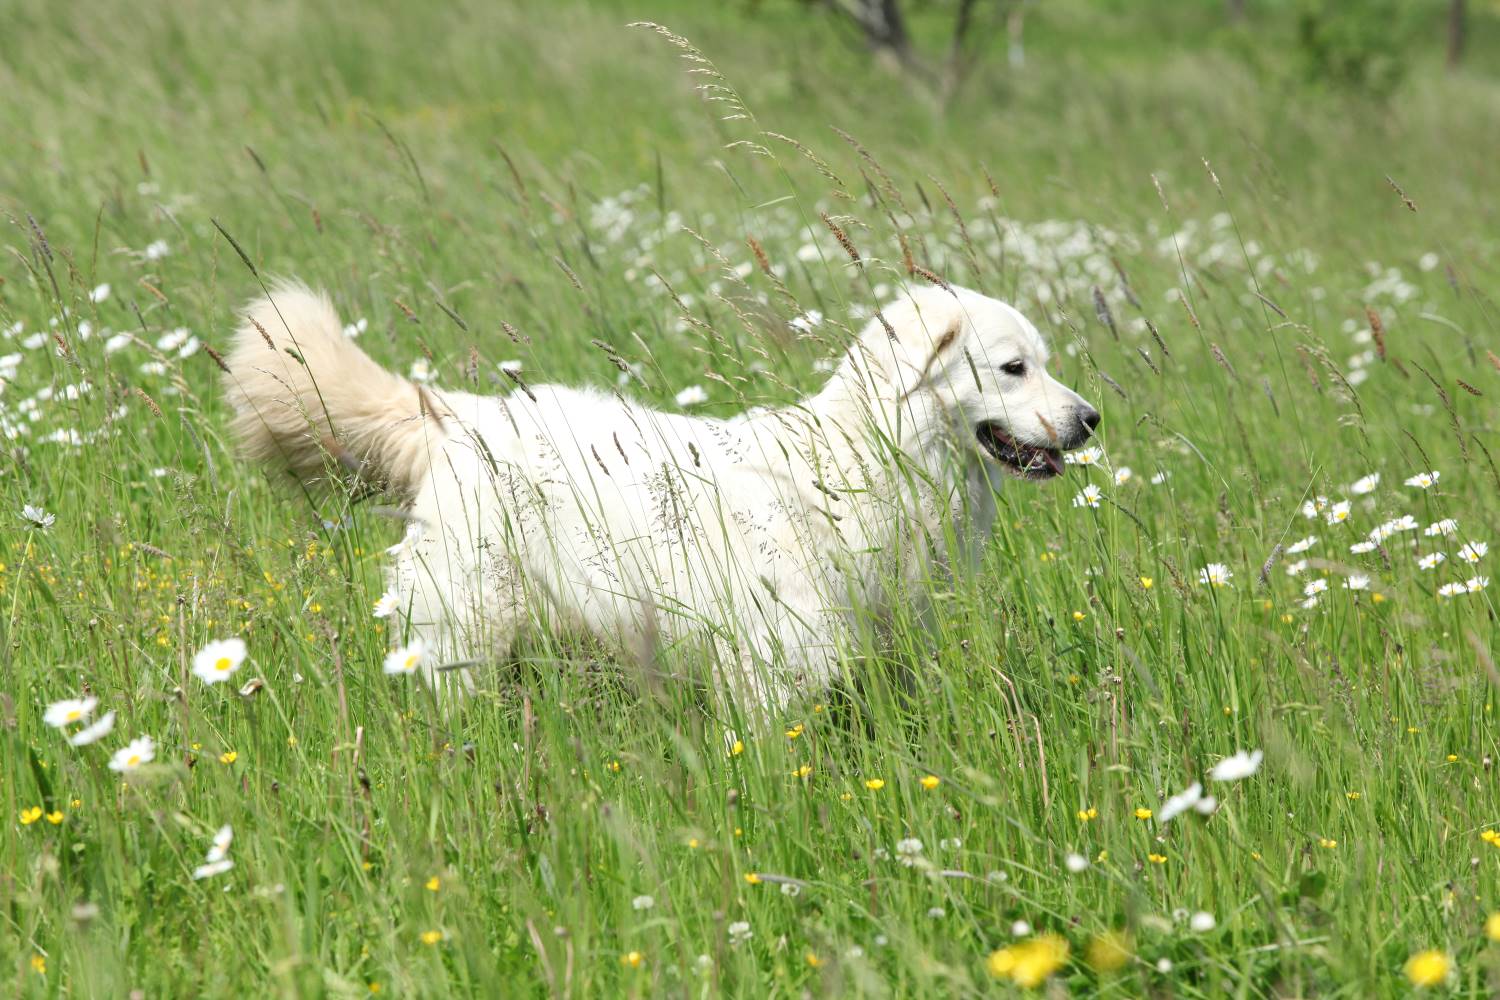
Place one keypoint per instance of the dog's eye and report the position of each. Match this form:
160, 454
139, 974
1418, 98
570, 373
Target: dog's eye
1014, 368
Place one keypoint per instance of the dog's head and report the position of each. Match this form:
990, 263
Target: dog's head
986, 365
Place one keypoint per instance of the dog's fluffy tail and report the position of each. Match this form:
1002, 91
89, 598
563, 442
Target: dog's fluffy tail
303, 393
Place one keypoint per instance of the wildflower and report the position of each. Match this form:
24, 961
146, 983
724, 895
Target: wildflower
812, 960
1338, 513
1296, 568
1029, 963
1164, 966
38, 517
1020, 929
1123, 475
632, 959
1157, 859
752, 879
1452, 590
1431, 561
405, 659
1202, 922
692, 396
1180, 803
1365, 484
386, 604
1146, 582
1302, 545
1353, 796
1240, 765
1472, 552
1215, 575
39, 964
1143, 813
433, 884
795, 731
950, 843
30, 816
54, 817
1088, 498
1315, 587
1447, 526
802, 771
1160, 478
1109, 951
642, 903
1492, 926
1360, 548
930, 782
1357, 581
806, 322
1428, 968
100, 293
69, 710
790, 889
219, 660
141, 750
875, 784
1475, 584
229, 757
95, 732
1424, 480
1084, 456
431, 937
1327, 843
1076, 863
211, 868
908, 850
1312, 508
736, 748
1084, 815
740, 932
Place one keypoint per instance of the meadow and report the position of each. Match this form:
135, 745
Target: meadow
1270, 579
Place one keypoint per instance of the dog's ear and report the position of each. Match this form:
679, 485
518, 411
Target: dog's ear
915, 336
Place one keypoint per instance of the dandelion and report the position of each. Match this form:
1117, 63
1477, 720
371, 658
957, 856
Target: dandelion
386, 604
1088, 498
1424, 480
405, 659
68, 711
790, 889
1164, 966
1239, 766
38, 516
1215, 575
1447, 526
1431, 561
1428, 968
1365, 484
752, 879
139, 751
1302, 545
1202, 922
1084, 456
433, 884
219, 660
94, 732
39, 964
693, 395
1472, 552
1029, 963
1338, 513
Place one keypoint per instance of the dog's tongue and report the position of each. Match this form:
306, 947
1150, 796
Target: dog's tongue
1054, 461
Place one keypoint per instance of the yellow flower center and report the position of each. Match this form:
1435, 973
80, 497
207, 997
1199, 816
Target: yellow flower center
222, 664
74, 715
133, 760
411, 661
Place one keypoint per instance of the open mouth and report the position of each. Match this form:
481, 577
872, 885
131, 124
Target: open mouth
1025, 460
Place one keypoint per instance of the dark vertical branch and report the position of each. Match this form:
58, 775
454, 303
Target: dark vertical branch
1458, 25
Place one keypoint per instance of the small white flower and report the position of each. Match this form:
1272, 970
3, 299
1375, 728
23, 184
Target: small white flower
1020, 929
156, 250
1475, 584
642, 903
1241, 765
1472, 552
1302, 545
1338, 513
1431, 561
1357, 581
95, 732
1123, 475
1296, 568
693, 395
1447, 526
421, 371
1076, 863
1315, 587
907, 851
950, 843
790, 889
807, 321
1160, 478
936, 913
1365, 485
219, 660
211, 869
1088, 498
1312, 508
1164, 966
353, 330
1180, 803
1403, 523
1202, 922
1359, 548
1084, 456
68, 711
1424, 480
1452, 590
405, 659
1215, 575
386, 604
219, 850
100, 293
740, 932
512, 366
38, 517
141, 750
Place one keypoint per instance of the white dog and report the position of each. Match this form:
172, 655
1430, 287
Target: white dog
758, 536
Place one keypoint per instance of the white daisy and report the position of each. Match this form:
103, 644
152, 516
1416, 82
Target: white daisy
68, 711
38, 517
1312, 508
94, 732
211, 869
1472, 552
219, 660
386, 604
1447, 526
1365, 485
1296, 568
1357, 581
1452, 590
1315, 587
1431, 561
1160, 478
1424, 480
219, 850
1202, 922
1240, 765
1359, 548
693, 395
139, 751
1215, 575
1474, 584
1302, 545
1088, 498
1084, 456
1180, 803
1123, 475
1338, 513
405, 659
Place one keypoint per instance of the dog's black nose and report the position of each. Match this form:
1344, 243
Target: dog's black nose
1089, 417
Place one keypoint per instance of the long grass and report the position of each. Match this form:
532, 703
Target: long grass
1213, 263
